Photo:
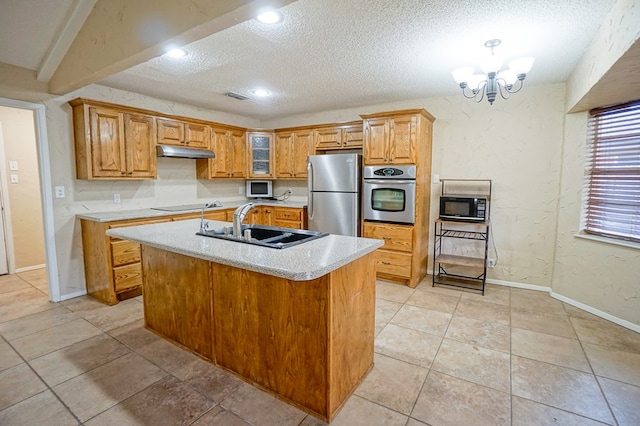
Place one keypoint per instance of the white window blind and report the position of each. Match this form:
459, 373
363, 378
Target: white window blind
612, 179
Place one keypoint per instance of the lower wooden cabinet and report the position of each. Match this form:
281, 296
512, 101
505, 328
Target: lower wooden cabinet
397, 259
288, 217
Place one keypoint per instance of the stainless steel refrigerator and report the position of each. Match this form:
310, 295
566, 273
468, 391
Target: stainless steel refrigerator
334, 193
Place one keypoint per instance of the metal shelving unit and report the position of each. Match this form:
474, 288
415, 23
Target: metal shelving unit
446, 266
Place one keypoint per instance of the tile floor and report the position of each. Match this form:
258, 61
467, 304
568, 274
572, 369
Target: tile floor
443, 357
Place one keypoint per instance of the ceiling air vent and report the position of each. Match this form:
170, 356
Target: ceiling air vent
236, 96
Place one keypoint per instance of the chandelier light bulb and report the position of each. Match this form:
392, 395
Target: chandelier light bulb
507, 76
462, 75
521, 65
491, 63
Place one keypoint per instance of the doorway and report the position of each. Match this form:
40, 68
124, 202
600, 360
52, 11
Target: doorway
41, 195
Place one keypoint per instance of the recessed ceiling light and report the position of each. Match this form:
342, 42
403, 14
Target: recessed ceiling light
261, 92
176, 53
270, 17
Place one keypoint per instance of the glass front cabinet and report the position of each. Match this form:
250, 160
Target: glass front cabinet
261, 155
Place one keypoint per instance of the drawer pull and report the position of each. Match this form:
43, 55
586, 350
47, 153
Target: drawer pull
386, 238
386, 263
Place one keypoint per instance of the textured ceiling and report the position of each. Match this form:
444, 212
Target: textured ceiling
330, 54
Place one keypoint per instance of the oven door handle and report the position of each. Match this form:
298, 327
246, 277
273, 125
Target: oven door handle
389, 181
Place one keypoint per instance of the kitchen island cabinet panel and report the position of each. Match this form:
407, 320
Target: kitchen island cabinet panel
178, 305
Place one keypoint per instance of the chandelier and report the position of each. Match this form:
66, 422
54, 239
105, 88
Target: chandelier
493, 81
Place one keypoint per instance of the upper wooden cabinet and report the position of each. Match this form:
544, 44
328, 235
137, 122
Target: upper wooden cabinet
395, 137
261, 155
230, 147
113, 144
345, 136
181, 133
292, 150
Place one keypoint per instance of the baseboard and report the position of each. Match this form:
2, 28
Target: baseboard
596, 312
591, 310
72, 295
31, 268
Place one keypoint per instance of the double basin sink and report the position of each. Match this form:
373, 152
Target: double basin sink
268, 236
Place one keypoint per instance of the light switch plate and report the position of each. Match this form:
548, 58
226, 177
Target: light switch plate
13, 165
116, 198
436, 179
14, 178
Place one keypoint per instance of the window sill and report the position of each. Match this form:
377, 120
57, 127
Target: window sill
629, 244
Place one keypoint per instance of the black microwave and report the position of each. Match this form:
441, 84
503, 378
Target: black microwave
464, 208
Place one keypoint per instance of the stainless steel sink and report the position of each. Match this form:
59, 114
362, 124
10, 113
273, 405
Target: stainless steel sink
269, 236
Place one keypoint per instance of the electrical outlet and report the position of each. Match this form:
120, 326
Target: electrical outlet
435, 179
491, 263
116, 198
59, 191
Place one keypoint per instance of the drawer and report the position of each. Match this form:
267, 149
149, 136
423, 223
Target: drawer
287, 224
288, 214
124, 252
395, 237
393, 263
127, 277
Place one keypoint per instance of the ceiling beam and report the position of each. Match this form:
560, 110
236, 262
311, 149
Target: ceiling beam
119, 34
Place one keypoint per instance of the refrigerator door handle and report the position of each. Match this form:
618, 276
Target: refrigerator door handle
309, 188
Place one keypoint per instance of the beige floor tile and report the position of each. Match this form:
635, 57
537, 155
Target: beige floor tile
492, 294
385, 310
574, 312
167, 356
20, 303
559, 387
483, 311
557, 325
427, 285
607, 334
435, 301
83, 304
421, 319
482, 366
359, 411
393, 291
101, 388
536, 302
64, 364
414, 422
261, 409
211, 381
485, 334
17, 384
218, 416
415, 347
617, 365
529, 413
36, 322
547, 348
43, 342
41, 409
11, 283
168, 402
393, 384
134, 335
111, 317
8, 357
482, 406
624, 400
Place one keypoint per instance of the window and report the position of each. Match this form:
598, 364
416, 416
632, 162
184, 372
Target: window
612, 179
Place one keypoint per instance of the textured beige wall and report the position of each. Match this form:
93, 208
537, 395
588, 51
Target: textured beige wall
598, 274
24, 196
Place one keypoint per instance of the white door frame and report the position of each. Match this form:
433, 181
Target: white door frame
46, 191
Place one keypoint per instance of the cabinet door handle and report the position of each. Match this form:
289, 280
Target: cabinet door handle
386, 238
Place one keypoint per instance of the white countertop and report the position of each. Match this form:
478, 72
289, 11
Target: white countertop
111, 216
302, 262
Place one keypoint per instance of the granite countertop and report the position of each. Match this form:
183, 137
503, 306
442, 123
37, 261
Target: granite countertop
302, 262
111, 216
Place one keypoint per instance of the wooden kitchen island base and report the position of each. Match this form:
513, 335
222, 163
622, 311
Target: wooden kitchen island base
309, 343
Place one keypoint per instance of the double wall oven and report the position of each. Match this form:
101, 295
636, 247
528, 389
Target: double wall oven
389, 194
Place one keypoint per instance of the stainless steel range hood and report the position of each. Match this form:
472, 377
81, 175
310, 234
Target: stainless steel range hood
183, 152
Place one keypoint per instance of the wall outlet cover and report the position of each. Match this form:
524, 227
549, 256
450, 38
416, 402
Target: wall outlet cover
491, 263
59, 191
14, 178
116, 198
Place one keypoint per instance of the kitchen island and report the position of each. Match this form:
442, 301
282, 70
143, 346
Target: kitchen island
297, 322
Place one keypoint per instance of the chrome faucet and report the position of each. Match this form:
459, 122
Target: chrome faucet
238, 217
203, 223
